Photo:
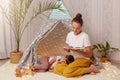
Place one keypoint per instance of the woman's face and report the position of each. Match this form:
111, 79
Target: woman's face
76, 28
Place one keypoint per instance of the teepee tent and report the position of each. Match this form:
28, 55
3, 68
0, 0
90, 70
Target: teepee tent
49, 43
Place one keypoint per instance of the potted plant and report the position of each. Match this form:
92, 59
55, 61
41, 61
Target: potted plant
16, 17
103, 50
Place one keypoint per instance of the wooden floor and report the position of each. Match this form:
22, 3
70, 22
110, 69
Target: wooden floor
3, 61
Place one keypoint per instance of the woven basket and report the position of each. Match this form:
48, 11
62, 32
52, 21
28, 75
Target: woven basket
15, 56
103, 59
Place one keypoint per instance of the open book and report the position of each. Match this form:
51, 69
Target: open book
75, 48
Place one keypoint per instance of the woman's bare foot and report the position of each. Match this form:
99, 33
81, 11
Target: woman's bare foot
94, 69
93, 73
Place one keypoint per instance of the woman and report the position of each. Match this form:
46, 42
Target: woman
80, 40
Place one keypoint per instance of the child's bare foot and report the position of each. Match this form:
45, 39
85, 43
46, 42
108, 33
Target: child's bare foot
94, 69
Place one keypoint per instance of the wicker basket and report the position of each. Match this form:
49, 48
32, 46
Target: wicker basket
15, 56
103, 59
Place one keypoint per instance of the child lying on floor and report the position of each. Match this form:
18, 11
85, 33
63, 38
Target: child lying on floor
47, 63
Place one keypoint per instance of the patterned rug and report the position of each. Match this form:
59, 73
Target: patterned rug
109, 72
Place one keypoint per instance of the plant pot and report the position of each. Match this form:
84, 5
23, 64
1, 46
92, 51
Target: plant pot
15, 56
103, 59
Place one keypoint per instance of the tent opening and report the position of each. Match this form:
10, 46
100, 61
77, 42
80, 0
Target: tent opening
56, 14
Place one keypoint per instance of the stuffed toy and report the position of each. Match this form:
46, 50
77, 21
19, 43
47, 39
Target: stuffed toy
29, 71
18, 72
24, 71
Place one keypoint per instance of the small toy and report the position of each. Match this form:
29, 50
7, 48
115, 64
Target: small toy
24, 71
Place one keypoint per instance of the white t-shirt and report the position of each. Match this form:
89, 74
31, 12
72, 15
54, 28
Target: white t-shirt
81, 40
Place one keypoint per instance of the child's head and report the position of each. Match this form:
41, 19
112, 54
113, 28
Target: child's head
66, 59
69, 59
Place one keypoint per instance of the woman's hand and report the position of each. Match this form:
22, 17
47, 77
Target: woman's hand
75, 50
66, 49
87, 52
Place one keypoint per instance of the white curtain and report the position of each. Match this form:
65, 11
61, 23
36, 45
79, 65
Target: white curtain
5, 33
101, 19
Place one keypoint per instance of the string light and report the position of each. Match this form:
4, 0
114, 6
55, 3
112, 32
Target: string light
26, 77
110, 70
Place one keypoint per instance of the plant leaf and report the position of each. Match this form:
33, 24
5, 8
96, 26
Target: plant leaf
99, 45
115, 48
107, 46
94, 47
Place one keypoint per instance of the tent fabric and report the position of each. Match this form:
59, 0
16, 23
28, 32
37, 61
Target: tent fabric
54, 41
49, 43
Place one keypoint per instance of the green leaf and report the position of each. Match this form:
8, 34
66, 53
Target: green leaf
99, 45
107, 46
103, 47
115, 49
95, 47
